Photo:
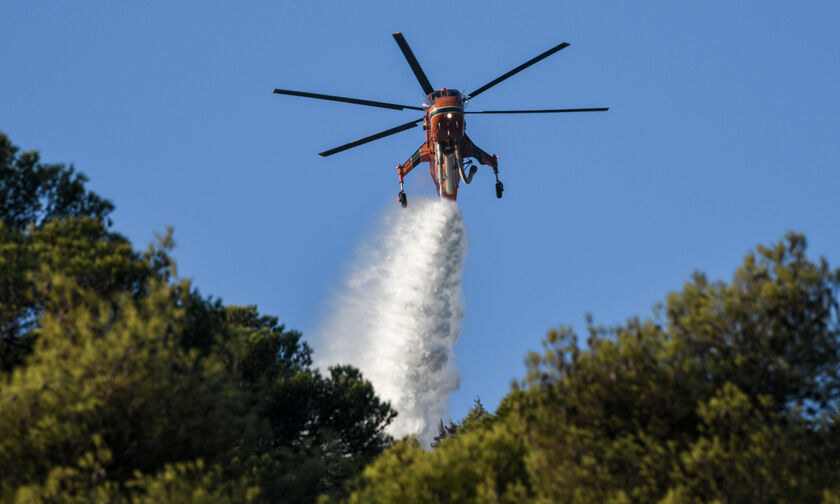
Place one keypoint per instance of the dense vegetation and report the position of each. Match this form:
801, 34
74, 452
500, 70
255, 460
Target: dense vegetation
121, 383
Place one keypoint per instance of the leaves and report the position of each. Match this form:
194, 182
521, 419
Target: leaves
32, 193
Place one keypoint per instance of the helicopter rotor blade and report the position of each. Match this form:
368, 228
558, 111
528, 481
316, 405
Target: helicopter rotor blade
370, 138
412, 61
542, 111
517, 69
369, 103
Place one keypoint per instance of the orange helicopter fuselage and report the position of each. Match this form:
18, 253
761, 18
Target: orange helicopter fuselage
444, 125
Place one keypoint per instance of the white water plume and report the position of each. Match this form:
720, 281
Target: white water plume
400, 312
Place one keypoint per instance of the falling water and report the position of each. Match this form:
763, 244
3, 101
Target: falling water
398, 316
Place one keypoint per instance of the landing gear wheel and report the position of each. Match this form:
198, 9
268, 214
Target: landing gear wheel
403, 199
499, 189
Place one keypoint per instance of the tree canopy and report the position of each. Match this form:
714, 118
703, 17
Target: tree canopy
32, 192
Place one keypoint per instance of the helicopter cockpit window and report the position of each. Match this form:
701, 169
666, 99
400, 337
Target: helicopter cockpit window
452, 92
436, 94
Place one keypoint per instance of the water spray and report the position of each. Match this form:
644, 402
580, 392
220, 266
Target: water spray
399, 314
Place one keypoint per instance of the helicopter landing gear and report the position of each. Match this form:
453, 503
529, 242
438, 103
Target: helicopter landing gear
499, 186
473, 169
401, 195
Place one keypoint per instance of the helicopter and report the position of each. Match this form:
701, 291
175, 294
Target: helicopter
447, 145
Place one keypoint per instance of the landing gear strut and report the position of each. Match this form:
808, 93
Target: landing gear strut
473, 169
499, 186
401, 195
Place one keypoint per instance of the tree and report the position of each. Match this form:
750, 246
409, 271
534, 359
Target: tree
475, 413
651, 405
336, 421
52, 224
728, 394
483, 465
32, 193
444, 431
110, 371
78, 248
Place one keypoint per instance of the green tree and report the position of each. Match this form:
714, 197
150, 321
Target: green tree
78, 248
634, 415
336, 421
474, 415
32, 192
482, 465
52, 224
110, 371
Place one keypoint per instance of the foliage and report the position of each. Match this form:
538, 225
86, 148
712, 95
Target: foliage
727, 395
121, 383
51, 224
484, 465
32, 192
78, 248
472, 419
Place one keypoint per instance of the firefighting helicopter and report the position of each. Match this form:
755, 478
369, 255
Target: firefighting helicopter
447, 145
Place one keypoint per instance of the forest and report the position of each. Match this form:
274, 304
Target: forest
122, 382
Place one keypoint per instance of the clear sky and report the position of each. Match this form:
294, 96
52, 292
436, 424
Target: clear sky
722, 134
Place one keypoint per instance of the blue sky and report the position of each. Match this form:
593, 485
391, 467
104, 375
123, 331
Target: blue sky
722, 134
